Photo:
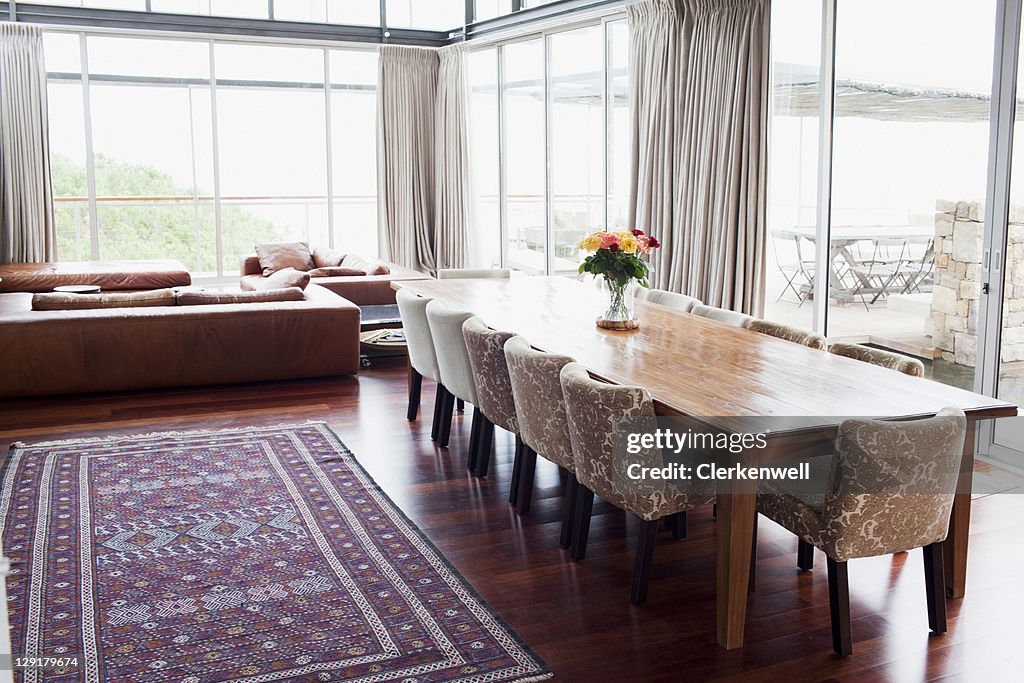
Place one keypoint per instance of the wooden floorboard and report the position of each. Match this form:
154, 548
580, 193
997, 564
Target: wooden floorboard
577, 616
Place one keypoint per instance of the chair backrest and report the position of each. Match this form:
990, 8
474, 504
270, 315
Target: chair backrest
450, 347
540, 408
722, 315
473, 273
680, 302
793, 334
594, 409
490, 370
422, 357
886, 359
892, 484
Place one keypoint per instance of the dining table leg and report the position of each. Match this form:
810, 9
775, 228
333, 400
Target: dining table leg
955, 547
734, 528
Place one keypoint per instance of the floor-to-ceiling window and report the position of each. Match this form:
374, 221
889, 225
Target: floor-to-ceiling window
902, 169
551, 150
576, 141
197, 150
484, 141
524, 128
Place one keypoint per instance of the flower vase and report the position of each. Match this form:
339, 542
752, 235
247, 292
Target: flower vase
619, 313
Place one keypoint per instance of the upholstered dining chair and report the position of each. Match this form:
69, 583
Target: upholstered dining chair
473, 273
540, 413
886, 359
887, 488
422, 358
493, 389
593, 409
680, 302
453, 363
792, 334
722, 315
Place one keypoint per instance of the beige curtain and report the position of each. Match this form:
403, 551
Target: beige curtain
451, 162
406, 102
710, 213
27, 231
658, 42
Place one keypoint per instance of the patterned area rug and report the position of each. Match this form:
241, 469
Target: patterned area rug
264, 554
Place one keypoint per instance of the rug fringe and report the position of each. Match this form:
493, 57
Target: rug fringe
534, 679
159, 435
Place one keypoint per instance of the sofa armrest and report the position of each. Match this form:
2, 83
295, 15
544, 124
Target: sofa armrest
251, 265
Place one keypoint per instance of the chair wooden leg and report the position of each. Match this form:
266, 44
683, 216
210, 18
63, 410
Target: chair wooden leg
714, 511
447, 414
460, 405
485, 444
439, 395
517, 466
474, 440
804, 555
839, 603
935, 584
568, 510
526, 472
644, 557
581, 529
415, 386
677, 523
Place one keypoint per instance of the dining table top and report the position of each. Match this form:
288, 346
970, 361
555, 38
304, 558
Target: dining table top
693, 366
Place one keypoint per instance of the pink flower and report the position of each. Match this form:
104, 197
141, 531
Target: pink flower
609, 239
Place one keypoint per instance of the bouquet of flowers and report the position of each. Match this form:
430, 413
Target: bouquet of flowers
620, 257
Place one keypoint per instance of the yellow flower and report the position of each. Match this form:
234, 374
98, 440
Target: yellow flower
590, 243
628, 244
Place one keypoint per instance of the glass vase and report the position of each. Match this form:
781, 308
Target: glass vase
621, 297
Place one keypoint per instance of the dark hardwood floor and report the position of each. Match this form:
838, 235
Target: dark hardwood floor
577, 617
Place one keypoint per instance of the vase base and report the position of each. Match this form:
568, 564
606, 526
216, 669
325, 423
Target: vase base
618, 324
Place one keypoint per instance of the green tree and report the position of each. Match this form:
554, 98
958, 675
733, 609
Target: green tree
172, 230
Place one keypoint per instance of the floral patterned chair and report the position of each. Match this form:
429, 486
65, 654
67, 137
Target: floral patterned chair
888, 488
594, 408
494, 391
792, 334
722, 315
540, 413
886, 359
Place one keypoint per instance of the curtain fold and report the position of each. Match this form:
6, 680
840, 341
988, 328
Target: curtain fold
406, 102
710, 210
27, 229
451, 167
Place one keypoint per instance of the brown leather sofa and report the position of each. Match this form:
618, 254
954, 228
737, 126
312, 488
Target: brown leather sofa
362, 290
115, 349
109, 275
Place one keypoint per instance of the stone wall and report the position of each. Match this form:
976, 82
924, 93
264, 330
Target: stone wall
959, 229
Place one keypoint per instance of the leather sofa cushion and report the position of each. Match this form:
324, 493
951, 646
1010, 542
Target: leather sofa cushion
367, 266
206, 298
108, 275
73, 302
324, 257
336, 271
280, 255
289, 277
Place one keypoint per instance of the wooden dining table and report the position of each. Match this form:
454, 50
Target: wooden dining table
728, 378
